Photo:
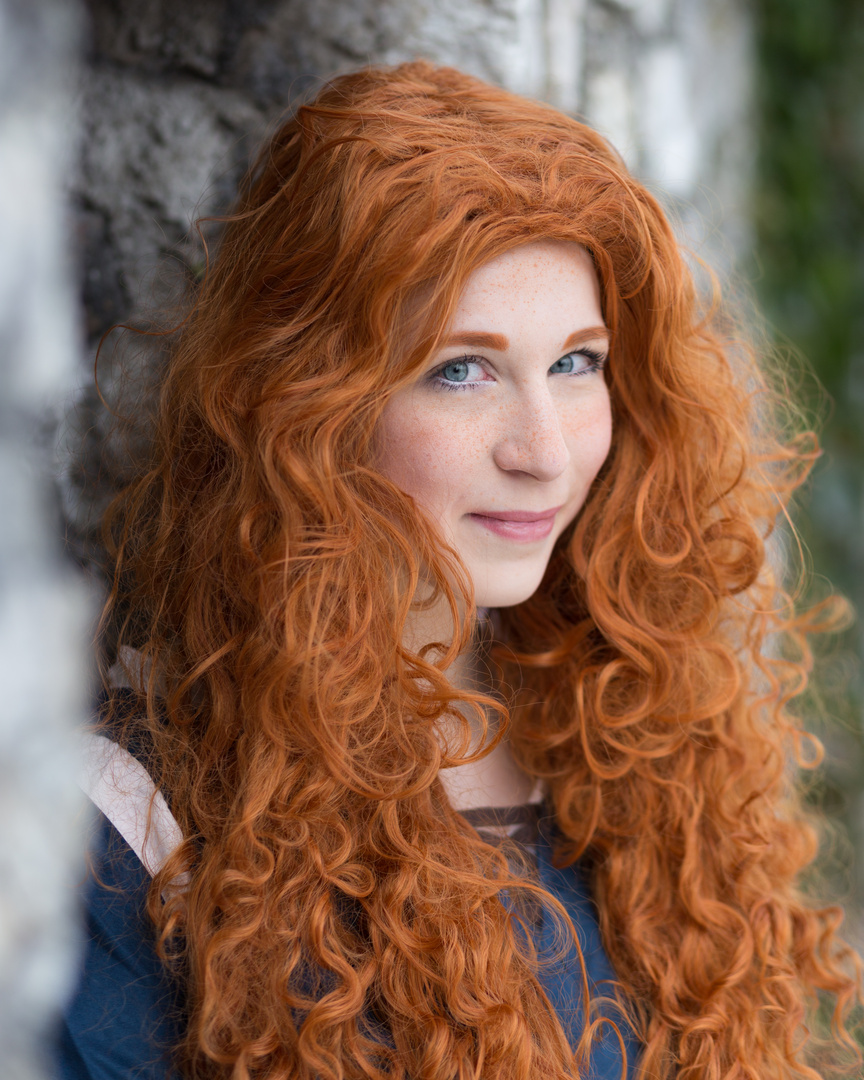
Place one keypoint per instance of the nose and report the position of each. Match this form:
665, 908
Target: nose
531, 439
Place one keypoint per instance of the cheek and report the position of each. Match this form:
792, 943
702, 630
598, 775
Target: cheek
603, 437
420, 456
590, 439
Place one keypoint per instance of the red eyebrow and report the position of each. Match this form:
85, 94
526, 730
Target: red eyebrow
478, 339
581, 336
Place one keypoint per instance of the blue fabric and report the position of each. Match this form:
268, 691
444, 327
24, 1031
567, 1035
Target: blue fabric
562, 978
124, 1014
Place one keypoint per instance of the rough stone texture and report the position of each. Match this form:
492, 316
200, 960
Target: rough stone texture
43, 608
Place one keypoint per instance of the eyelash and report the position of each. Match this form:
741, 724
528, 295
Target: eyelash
598, 361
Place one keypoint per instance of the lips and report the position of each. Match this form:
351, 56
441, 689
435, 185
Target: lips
518, 515
525, 525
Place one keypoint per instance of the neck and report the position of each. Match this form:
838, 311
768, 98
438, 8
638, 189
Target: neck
493, 780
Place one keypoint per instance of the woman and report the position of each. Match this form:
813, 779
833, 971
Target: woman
449, 637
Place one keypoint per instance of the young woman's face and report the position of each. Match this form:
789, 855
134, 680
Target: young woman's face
499, 438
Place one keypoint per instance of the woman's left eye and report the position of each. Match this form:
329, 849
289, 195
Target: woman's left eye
581, 362
456, 374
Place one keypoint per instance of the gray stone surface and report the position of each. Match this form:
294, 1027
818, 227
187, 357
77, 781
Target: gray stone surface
43, 607
155, 155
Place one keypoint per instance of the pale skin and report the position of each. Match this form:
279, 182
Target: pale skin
529, 434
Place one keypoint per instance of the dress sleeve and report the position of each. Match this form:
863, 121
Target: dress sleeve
125, 1014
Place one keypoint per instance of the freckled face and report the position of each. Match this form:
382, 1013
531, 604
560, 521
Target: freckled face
510, 419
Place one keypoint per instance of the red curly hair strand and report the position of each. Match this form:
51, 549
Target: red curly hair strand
270, 569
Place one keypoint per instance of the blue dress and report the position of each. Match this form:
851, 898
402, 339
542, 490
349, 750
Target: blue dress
126, 1014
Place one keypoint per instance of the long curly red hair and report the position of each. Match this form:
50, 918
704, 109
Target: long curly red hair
264, 569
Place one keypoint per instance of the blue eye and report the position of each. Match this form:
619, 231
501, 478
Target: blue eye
454, 375
455, 372
592, 361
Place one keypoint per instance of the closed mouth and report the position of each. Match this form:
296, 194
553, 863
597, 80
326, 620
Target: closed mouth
518, 515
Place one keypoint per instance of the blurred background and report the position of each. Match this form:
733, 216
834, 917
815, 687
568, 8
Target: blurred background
807, 267
123, 120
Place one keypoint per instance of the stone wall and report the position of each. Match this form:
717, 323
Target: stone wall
43, 608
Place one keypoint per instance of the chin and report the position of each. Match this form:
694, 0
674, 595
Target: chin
505, 593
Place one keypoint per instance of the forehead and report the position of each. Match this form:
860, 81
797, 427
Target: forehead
506, 288
534, 255
528, 280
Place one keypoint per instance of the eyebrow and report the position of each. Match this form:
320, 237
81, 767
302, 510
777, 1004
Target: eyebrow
480, 340
591, 334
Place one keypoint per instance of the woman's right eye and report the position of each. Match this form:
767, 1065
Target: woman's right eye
457, 374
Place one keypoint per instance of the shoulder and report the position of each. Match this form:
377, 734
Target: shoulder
119, 785
125, 1013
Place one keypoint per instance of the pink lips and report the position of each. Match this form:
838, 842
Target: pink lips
519, 524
